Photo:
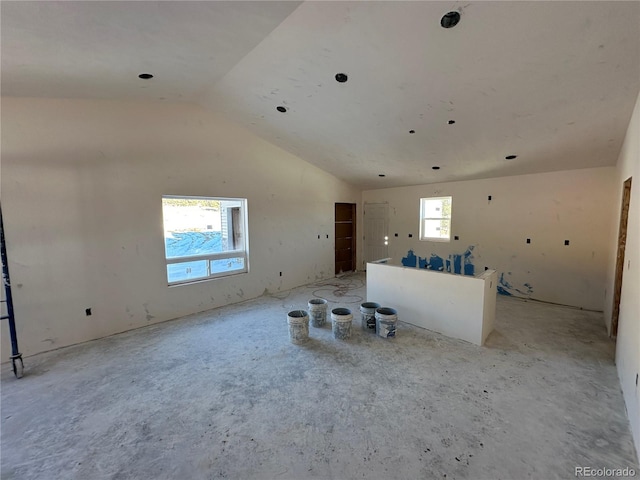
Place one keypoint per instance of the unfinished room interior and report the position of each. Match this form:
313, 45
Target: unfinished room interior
320, 240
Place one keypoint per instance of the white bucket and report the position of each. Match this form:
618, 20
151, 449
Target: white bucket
386, 321
368, 311
341, 318
317, 312
298, 321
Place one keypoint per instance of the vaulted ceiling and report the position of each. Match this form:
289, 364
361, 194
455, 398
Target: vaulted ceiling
553, 83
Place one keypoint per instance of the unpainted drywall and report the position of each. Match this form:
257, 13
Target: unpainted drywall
82, 183
455, 305
628, 338
548, 209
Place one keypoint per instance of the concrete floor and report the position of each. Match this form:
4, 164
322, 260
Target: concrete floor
224, 394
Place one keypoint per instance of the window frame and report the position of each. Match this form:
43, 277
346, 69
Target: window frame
423, 201
209, 257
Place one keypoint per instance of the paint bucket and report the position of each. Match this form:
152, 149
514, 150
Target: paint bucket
368, 311
317, 312
298, 321
386, 320
341, 319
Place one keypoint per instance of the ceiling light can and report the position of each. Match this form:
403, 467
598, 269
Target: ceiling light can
450, 20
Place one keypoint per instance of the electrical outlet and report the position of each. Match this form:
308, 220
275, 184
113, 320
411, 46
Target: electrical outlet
280, 273
87, 312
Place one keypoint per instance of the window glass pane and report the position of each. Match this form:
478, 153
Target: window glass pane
436, 228
227, 265
201, 226
179, 272
437, 208
183, 244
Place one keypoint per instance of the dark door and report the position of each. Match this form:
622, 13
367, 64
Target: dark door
345, 237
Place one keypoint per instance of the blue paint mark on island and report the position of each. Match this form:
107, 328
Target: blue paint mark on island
423, 263
410, 260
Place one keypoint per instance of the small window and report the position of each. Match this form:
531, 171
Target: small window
435, 219
204, 237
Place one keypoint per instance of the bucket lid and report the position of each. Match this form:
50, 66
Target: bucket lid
317, 301
341, 311
298, 314
370, 305
386, 311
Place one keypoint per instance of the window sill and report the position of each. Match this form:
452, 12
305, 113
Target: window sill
207, 279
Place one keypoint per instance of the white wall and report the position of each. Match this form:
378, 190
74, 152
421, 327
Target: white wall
628, 340
82, 183
458, 306
547, 208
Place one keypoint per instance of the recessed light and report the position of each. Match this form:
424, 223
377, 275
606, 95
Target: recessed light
341, 77
281, 109
510, 157
412, 131
145, 76
451, 122
435, 167
381, 175
450, 20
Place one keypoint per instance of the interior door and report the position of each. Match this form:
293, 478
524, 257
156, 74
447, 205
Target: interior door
376, 238
345, 231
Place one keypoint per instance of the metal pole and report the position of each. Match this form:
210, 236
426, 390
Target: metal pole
15, 354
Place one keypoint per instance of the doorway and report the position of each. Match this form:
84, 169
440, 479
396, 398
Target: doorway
376, 238
345, 228
622, 242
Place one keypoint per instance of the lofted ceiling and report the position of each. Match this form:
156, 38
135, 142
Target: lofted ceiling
554, 83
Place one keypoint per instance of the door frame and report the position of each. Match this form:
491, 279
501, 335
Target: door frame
353, 234
365, 258
622, 243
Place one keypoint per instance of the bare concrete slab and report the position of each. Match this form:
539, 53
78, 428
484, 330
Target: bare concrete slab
224, 394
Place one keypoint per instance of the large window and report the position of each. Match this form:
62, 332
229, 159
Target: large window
204, 237
435, 219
